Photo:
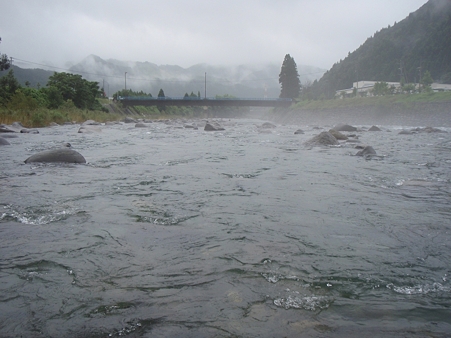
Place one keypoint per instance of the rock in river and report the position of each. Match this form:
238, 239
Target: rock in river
338, 135
61, 155
3, 142
323, 139
367, 151
213, 127
344, 127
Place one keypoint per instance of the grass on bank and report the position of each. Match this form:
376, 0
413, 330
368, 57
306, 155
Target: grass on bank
32, 116
405, 100
41, 117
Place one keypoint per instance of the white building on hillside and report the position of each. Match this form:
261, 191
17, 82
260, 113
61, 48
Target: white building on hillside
365, 88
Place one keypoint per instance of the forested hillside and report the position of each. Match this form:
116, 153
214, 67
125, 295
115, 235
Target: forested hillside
400, 53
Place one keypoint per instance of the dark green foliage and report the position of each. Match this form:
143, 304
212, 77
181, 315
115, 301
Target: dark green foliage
8, 87
73, 87
399, 53
289, 79
382, 88
129, 92
161, 94
54, 97
426, 80
4, 62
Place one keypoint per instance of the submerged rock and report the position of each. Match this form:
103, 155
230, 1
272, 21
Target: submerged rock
8, 129
338, 135
17, 127
268, 125
129, 120
374, 128
323, 139
89, 129
29, 131
62, 155
3, 142
213, 127
405, 132
428, 130
367, 151
141, 125
344, 127
91, 123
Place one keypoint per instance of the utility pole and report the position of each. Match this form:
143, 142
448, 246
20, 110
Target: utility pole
419, 81
205, 85
401, 80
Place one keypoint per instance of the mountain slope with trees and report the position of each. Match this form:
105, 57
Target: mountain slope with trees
399, 53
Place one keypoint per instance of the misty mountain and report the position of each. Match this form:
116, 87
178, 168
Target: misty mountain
402, 52
240, 81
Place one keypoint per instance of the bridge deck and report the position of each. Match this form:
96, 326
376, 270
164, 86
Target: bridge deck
190, 101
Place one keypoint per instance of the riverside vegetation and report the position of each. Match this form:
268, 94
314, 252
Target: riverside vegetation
70, 98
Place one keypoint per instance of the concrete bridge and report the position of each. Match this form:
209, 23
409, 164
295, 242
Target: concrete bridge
207, 102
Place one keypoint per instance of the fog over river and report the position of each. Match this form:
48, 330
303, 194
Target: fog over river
170, 231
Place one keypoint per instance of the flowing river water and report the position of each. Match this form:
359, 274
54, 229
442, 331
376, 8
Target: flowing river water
170, 231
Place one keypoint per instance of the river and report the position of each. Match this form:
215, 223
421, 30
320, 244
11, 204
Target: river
170, 231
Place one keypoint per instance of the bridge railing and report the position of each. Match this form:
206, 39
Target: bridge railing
137, 98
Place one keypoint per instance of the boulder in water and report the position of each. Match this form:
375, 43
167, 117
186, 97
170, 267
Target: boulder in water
89, 129
405, 132
129, 120
323, 139
8, 129
90, 123
61, 155
367, 151
338, 135
213, 127
267, 125
374, 128
29, 131
344, 127
3, 142
298, 132
429, 130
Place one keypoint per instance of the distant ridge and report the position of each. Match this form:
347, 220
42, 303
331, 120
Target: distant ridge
252, 81
35, 77
240, 81
420, 42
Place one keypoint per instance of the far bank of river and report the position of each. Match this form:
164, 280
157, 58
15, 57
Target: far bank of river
434, 114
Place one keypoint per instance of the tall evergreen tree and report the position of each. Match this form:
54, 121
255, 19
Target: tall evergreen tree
4, 61
289, 79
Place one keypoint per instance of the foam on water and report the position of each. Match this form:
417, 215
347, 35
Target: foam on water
311, 303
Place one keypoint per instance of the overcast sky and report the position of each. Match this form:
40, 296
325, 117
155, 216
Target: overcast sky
181, 32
